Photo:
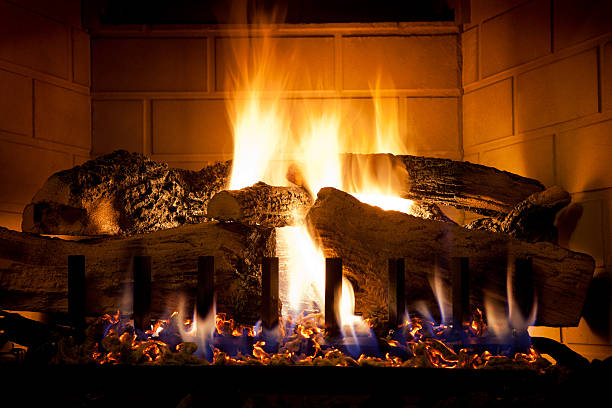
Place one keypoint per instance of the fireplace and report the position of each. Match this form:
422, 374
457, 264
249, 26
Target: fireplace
518, 86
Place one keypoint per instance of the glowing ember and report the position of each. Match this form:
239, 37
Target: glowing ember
417, 343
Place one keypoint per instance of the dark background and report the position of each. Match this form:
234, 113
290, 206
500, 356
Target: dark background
294, 11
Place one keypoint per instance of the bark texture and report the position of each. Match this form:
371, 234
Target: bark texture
481, 189
33, 269
261, 204
532, 219
272, 206
123, 193
365, 237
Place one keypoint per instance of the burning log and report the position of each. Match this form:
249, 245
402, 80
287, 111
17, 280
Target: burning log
34, 273
122, 193
365, 237
261, 204
480, 189
273, 206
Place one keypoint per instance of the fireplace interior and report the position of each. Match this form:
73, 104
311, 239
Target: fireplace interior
441, 166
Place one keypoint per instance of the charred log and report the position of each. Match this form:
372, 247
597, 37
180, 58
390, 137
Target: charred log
480, 189
365, 237
532, 219
123, 193
34, 271
473, 187
261, 204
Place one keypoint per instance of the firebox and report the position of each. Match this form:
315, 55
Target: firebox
310, 203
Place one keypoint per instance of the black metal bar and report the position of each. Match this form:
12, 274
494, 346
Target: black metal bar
269, 291
397, 292
76, 290
333, 292
523, 286
142, 292
206, 285
460, 280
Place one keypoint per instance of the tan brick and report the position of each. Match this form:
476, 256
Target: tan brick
433, 124
583, 157
576, 21
80, 57
15, 103
469, 54
548, 332
561, 91
191, 126
472, 157
532, 158
359, 126
484, 9
10, 220
32, 40
413, 62
356, 121
306, 63
520, 35
149, 64
62, 115
302, 112
588, 237
77, 160
67, 11
590, 351
359, 123
117, 125
24, 169
487, 113
607, 76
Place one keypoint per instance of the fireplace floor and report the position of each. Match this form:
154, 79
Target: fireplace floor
251, 386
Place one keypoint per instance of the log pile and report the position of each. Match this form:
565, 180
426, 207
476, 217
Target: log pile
125, 194
148, 207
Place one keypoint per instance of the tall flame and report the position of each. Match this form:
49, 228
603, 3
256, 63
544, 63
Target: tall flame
273, 134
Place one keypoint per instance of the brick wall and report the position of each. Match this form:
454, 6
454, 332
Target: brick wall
45, 121
159, 90
537, 101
